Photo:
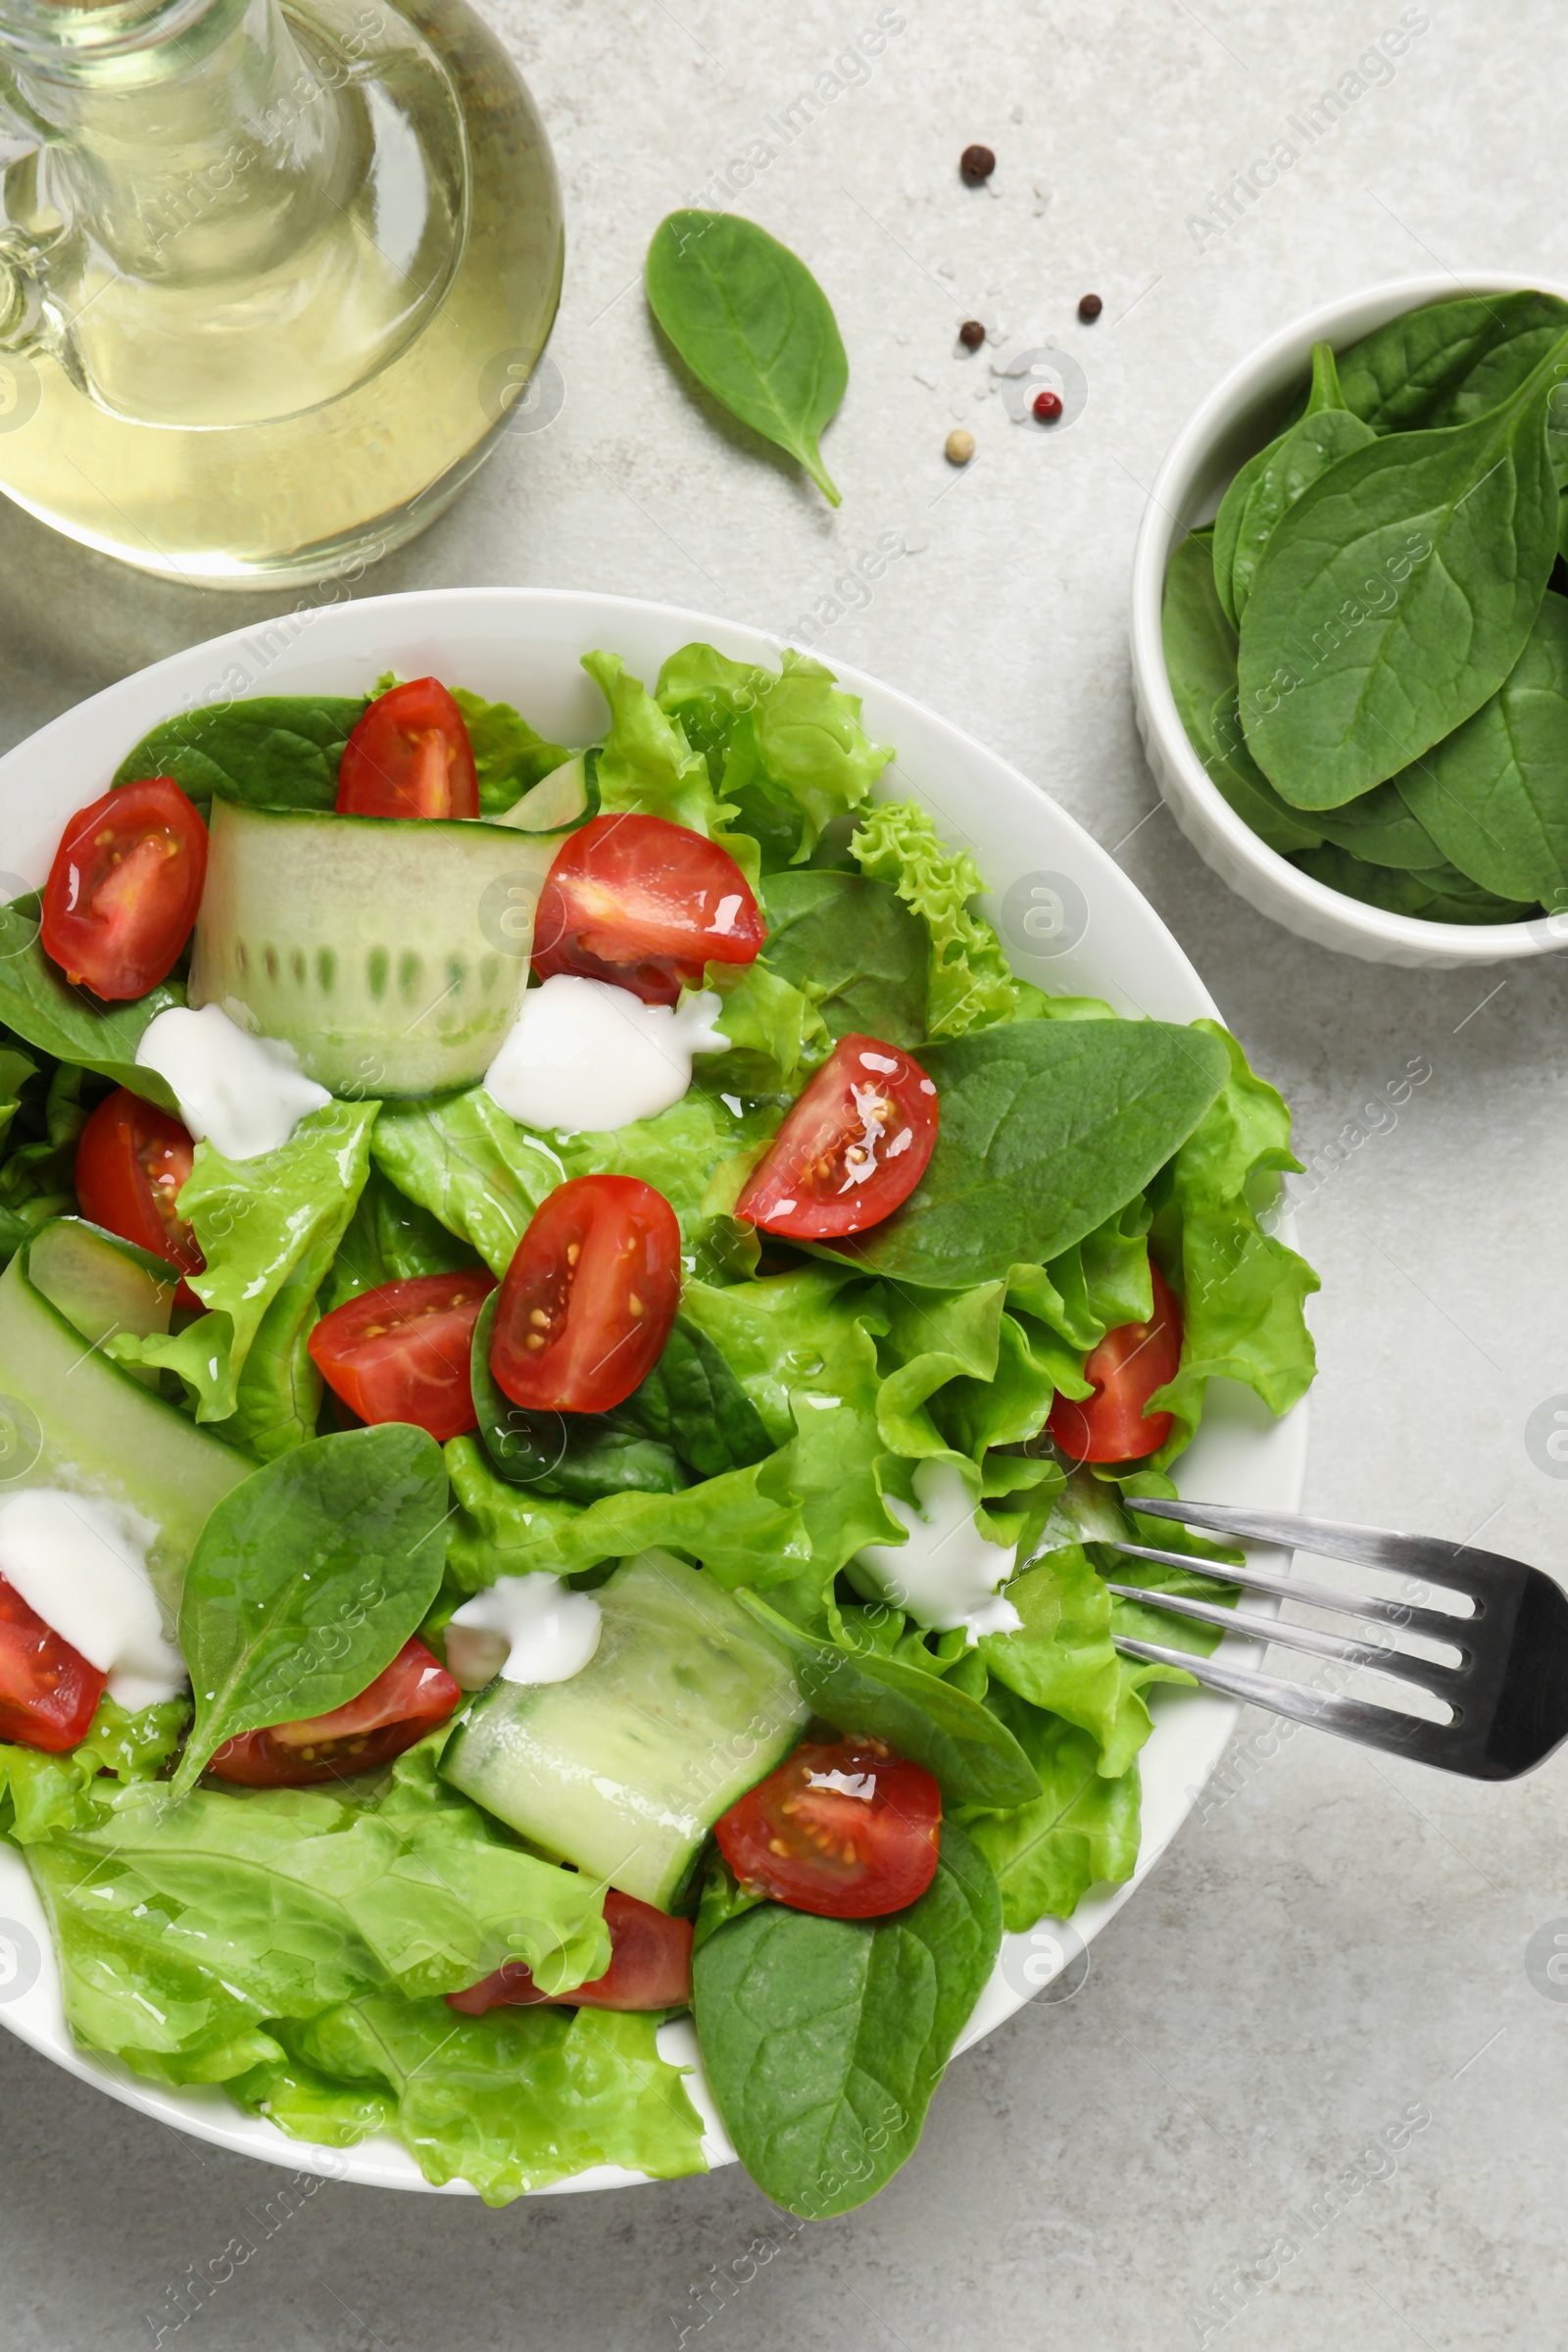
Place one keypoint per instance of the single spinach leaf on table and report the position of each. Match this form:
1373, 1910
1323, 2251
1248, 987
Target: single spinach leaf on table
854, 949
275, 750
823, 2040
1448, 361
39, 1004
1395, 595
1047, 1129
1494, 793
972, 1757
1200, 650
1439, 895
1274, 478
754, 326
307, 1581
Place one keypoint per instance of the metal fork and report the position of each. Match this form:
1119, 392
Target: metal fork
1508, 1690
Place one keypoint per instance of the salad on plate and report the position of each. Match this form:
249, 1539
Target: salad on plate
573, 1348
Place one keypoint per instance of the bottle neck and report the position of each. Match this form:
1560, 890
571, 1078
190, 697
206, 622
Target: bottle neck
189, 137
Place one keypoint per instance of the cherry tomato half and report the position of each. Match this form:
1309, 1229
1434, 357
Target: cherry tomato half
1130, 1363
646, 904
407, 1699
650, 1967
122, 896
401, 1353
48, 1692
131, 1159
854, 1148
409, 756
849, 1831
589, 1296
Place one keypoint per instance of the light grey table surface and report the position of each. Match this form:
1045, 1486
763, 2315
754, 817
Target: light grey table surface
1335, 1942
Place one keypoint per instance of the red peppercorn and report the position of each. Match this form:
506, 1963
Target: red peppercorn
1048, 407
977, 163
971, 334
1089, 307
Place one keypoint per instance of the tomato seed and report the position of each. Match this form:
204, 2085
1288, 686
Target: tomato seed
977, 163
1089, 307
971, 334
1048, 407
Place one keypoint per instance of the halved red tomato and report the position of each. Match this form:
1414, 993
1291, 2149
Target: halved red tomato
645, 903
49, 1693
650, 1967
850, 1831
122, 896
401, 1352
589, 1296
409, 756
854, 1148
1130, 1363
407, 1699
131, 1159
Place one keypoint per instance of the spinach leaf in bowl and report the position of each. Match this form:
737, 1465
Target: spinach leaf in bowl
1494, 793
1383, 829
1397, 594
1449, 361
1272, 481
1441, 896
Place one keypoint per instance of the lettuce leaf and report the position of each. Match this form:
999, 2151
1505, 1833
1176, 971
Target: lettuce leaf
513, 2100
474, 1170
787, 747
509, 755
270, 1228
970, 984
40, 1794
1242, 1292
390, 1239
1081, 1831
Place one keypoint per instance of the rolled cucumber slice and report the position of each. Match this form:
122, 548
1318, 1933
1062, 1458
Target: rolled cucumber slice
390, 954
102, 1285
70, 1418
624, 1769
561, 802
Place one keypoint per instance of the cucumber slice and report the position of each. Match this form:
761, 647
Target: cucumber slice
102, 1285
70, 1418
390, 953
624, 1769
561, 802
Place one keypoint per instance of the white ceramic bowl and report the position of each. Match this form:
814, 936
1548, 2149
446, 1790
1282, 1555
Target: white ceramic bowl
1074, 923
1238, 418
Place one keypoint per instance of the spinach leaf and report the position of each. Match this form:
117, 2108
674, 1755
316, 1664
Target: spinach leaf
691, 1401
579, 1455
823, 2040
1395, 595
390, 1239
1494, 793
754, 326
1449, 361
39, 1004
1047, 1129
972, 1757
1240, 780
307, 1579
509, 755
1275, 479
1441, 894
1382, 828
277, 751
854, 949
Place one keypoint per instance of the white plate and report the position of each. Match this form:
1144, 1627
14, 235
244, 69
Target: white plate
1089, 932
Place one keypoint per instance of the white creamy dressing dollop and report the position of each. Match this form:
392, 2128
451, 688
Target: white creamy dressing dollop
587, 1054
549, 1631
947, 1572
81, 1566
245, 1095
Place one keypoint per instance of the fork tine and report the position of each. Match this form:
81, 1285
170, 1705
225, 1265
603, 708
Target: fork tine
1423, 1672
1423, 1557
1354, 1718
1434, 1622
